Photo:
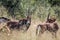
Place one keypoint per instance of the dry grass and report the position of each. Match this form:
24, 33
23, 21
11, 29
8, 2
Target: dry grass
29, 35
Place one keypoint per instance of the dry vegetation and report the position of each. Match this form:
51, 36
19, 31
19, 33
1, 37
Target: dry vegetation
29, 35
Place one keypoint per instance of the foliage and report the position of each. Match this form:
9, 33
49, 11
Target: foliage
22, 8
